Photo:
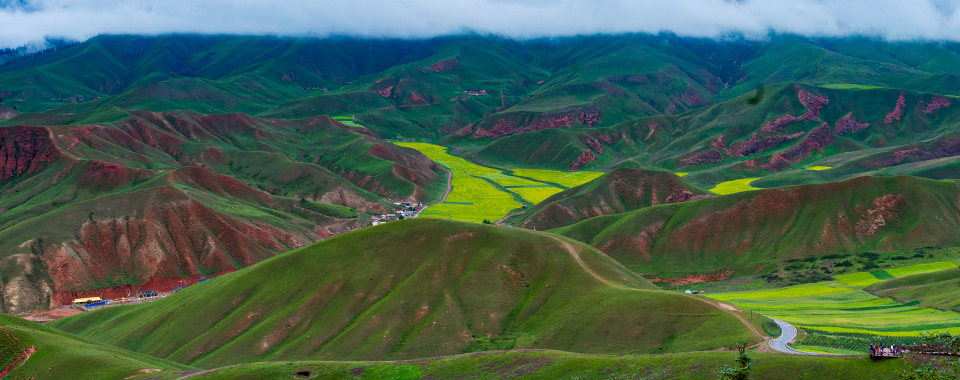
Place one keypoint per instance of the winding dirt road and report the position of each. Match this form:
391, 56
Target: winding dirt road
444, 199
576, 256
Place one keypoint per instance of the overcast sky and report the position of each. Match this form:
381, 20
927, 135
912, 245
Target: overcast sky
25, 21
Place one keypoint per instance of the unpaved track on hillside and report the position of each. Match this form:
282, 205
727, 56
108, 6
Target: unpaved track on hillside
576, 256
449, 185
723, 307
729, 310
508, 215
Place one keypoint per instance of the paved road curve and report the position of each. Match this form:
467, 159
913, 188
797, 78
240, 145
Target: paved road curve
788, 332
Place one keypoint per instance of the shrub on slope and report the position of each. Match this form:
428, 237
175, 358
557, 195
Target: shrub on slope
414, 288
745, 231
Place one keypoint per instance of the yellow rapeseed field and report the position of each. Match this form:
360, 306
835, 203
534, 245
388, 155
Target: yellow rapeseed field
475, 199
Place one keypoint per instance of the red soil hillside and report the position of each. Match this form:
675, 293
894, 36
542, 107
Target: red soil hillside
616, 192
104, 207
118, 226
25, 151
173, 139
745, 231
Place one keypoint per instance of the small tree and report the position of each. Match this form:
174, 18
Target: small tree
927, 371
486, 221
744, 365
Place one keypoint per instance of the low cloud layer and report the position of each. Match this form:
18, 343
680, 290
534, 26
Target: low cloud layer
25, 21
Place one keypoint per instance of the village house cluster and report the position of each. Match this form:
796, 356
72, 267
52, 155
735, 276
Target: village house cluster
404, 210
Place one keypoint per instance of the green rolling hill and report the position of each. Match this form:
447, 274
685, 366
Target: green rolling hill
31, 350
744, 232
412, 289
616, 192
542, 364
52, 354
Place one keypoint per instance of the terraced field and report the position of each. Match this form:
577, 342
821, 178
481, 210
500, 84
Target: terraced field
481, 193
348, 121
843, 306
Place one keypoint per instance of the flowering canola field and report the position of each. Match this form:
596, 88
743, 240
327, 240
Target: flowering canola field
566, 179
535, 194
735, 186
479, 194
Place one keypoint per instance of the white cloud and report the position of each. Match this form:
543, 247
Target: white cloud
24, 21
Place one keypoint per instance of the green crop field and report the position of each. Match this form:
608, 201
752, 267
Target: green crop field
858, 279
788, 292
921, 268
535, 194
735, 186
870, 278
348, 121
474, 198
937, 290
843, 307
817, 168
568, 179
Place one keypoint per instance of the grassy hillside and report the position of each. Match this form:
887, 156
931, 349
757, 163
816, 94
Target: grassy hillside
415, 288
30, 350
59, 355
938, 290
616, 192
745, 231
563, 365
